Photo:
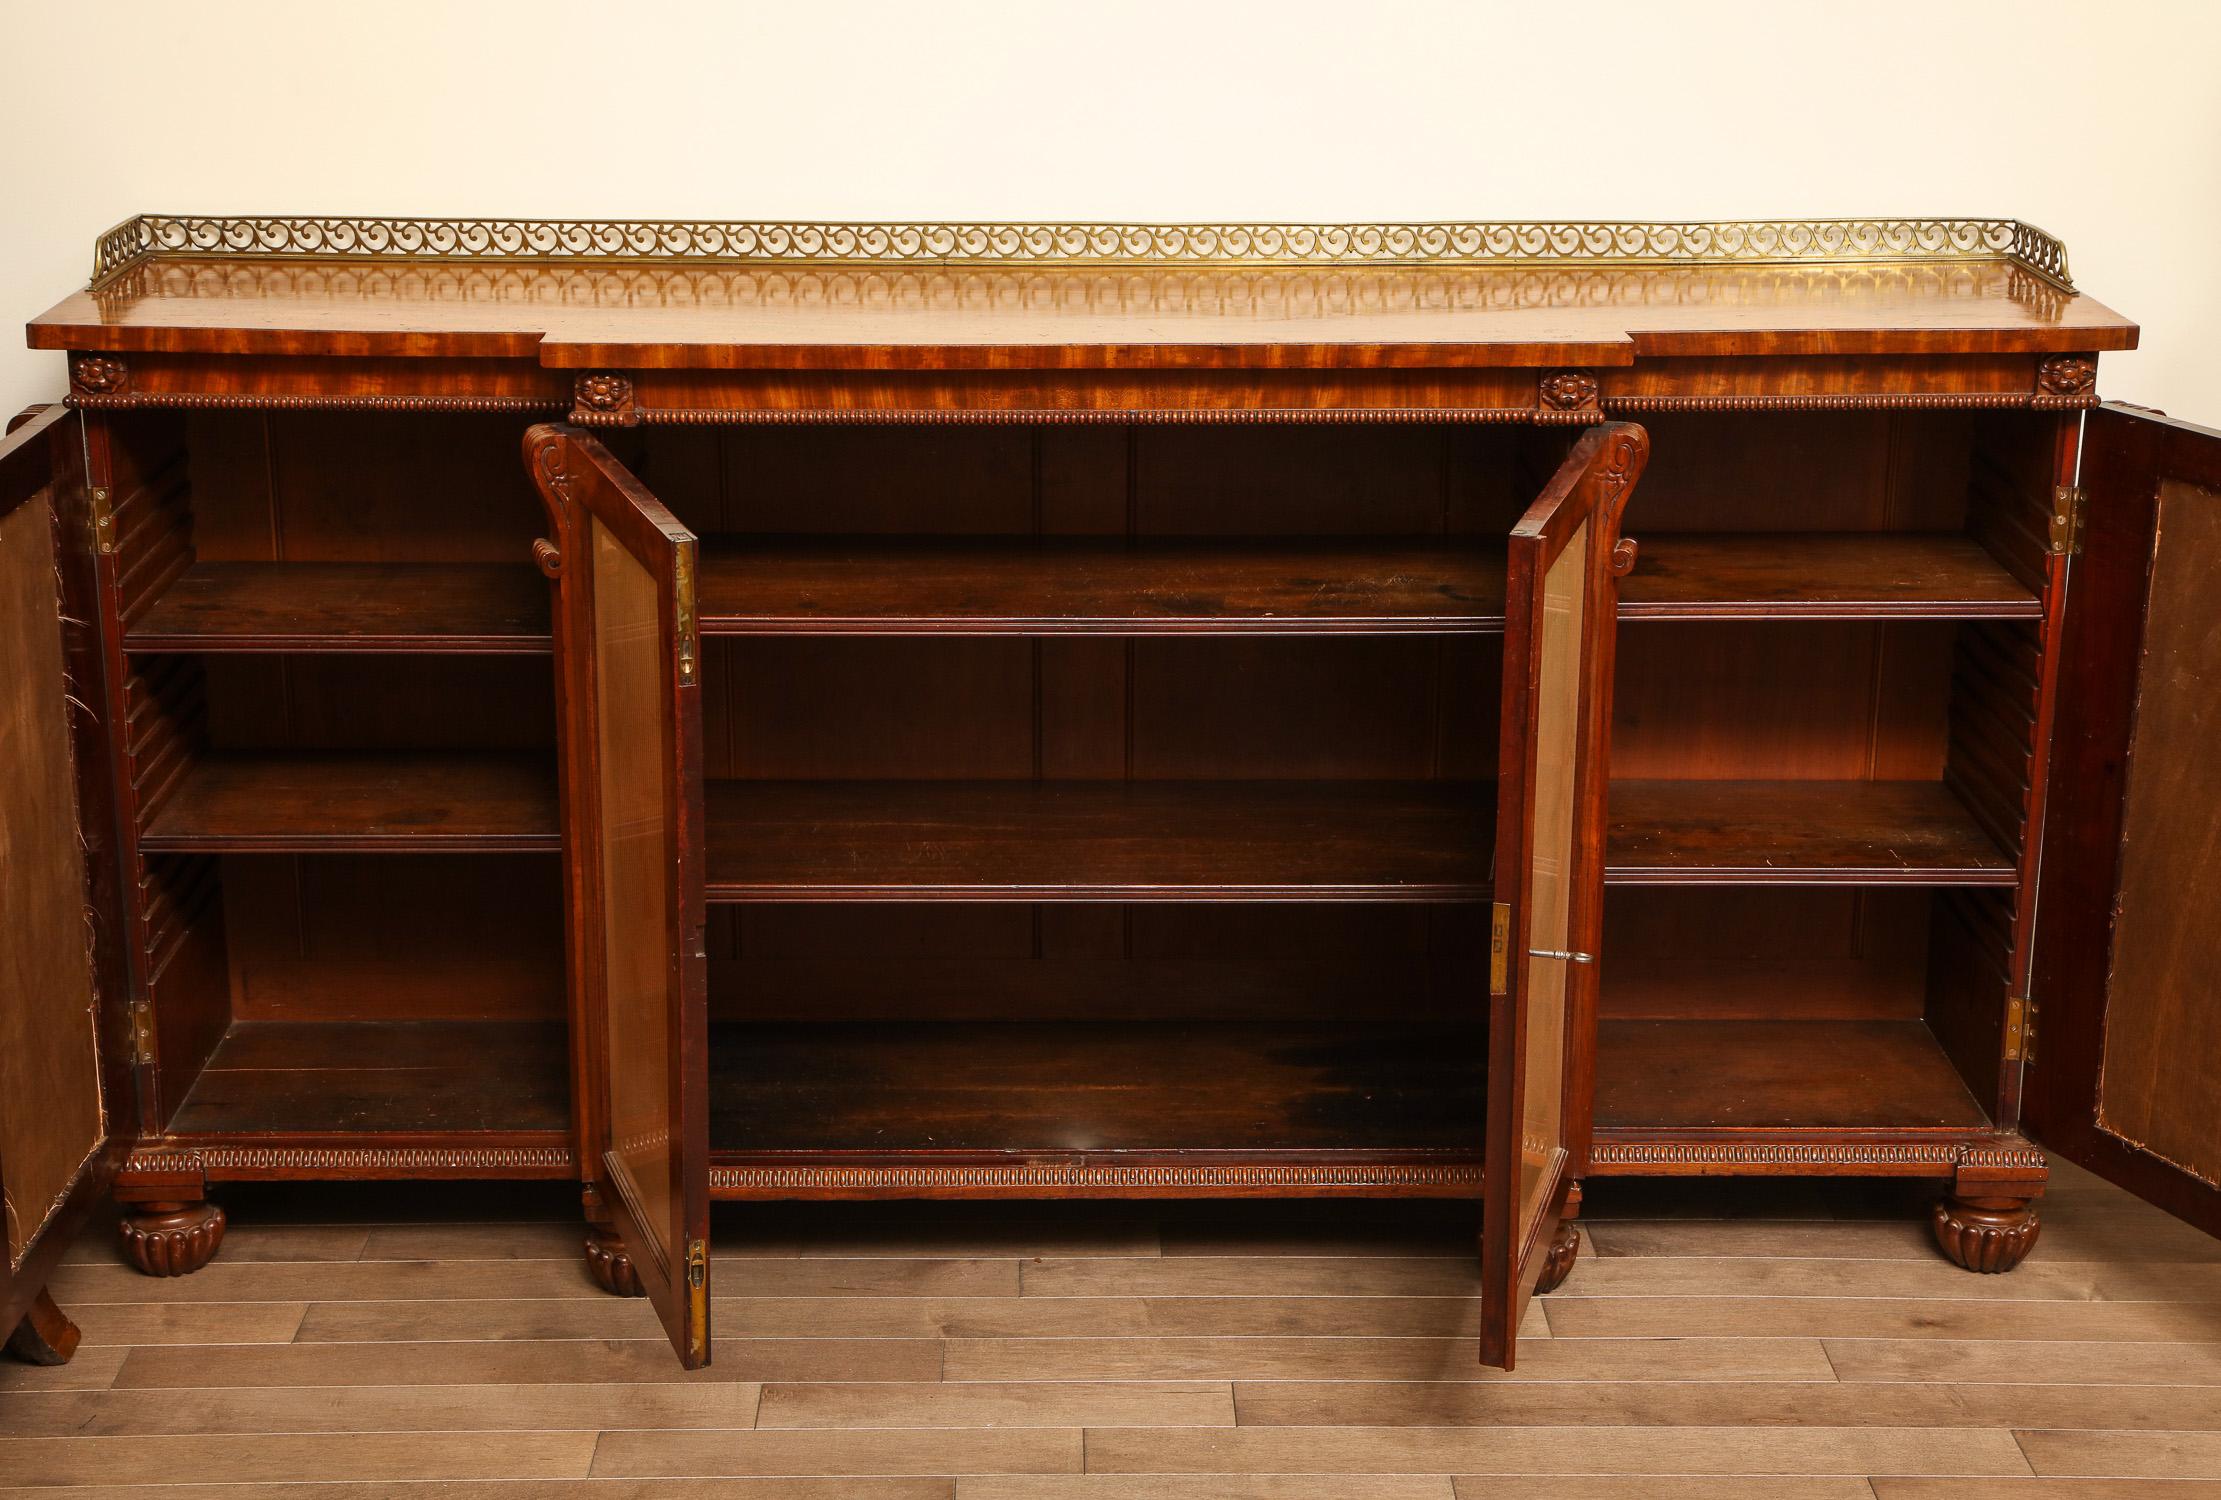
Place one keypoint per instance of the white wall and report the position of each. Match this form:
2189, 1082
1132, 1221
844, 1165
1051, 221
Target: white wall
2102, 123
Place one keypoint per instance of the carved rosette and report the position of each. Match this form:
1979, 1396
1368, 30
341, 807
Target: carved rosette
603, 398
608, 1262
1569, 396
2066, 381
101, 375
1557, 1262
1986, 1234
171, 1239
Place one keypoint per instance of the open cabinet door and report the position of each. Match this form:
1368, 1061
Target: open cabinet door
632, 832
2123, 1072
1565, 555
62, 1021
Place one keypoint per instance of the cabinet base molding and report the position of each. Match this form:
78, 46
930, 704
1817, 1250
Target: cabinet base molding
610, 1263
1082, 1178
46, 1336
1986, 1234
1809, 1158
169, 1238
1565, 1248
277, 1163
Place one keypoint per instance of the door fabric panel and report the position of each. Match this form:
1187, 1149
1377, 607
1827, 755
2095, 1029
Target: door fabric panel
51, 1116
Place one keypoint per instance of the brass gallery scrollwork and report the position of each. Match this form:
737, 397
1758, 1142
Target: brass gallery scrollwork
1607, 242
1030, 290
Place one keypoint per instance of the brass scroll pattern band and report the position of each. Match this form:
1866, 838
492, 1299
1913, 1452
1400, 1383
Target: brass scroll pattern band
1610, 242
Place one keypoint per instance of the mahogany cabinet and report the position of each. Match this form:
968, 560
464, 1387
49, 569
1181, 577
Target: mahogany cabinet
719, 711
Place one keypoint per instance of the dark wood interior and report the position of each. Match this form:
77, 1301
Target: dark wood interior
1046, 673
1268, 1086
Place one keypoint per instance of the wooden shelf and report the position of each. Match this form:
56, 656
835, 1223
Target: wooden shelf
1268, 586
1838, 576
1754, 1075
395, 1077
474, 608
1126, 1086
1798, 833
1100, 841
311, 802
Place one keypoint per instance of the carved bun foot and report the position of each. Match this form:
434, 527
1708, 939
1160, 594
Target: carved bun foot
171, 1239
45, 1336
1986, 1234
610, 1265
1558, 1263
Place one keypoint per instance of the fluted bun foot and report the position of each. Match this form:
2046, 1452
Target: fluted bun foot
1986, 1234
171, 1239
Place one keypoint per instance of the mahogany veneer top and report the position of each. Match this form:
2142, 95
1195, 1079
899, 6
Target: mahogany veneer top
925, 316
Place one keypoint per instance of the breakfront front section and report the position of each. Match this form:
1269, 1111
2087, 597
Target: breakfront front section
1103, 711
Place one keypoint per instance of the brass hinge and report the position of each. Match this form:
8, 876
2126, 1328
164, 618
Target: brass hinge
697, 1299
683, 588
104, 521
142, 1035
2069, 502
2020, 1029
1499, 948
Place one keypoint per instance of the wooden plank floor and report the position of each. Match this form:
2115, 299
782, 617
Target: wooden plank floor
1718, 1341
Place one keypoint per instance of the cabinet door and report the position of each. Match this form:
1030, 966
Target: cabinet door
2127, 978
632, 833
62, 1010
1565, 557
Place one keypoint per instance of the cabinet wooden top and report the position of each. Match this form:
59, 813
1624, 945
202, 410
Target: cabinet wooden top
939, 297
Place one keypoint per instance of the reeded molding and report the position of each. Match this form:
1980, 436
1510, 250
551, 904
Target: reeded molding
1024, 1177
344, 1161
146, 237
1945, 1156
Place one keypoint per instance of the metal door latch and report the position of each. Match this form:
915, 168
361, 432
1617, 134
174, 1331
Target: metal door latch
1571, 958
